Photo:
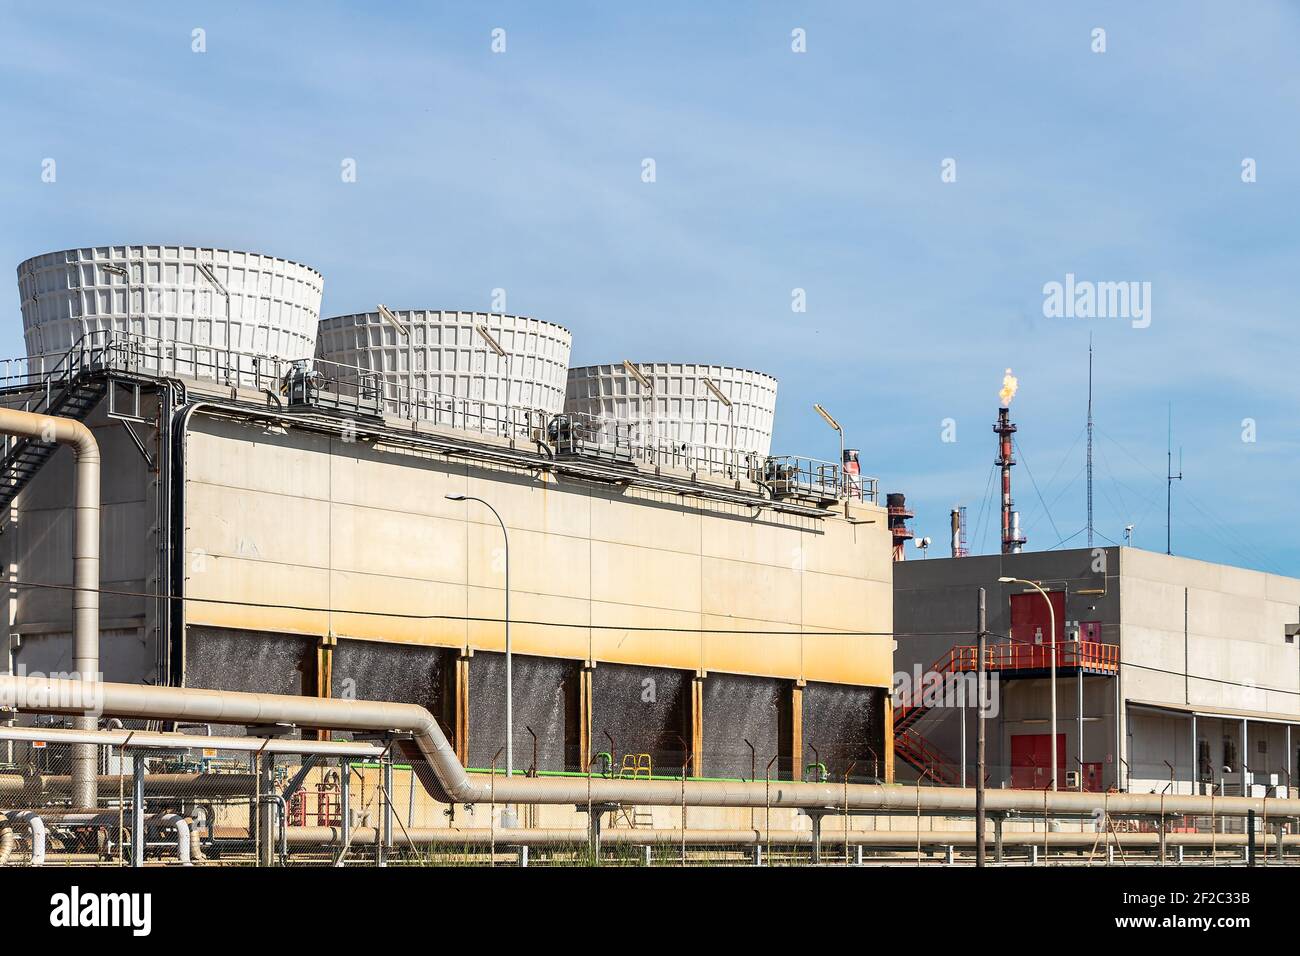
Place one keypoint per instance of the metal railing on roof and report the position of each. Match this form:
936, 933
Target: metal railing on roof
795, 475
351, 389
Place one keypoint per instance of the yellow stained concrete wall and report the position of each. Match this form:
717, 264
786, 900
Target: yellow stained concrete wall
291, 518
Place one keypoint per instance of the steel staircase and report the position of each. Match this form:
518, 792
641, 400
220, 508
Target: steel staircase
916, 751
1012, 659
958, 660
909, 745
69, 390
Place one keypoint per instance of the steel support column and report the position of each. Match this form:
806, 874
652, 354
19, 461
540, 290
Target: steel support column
1245, 757
1079, 718
796, 732
1119, 737
386, 820
962, 714
345, 797
265, 810
137, 810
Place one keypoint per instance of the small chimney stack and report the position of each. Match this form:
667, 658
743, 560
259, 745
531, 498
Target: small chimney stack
959, 549
898, 515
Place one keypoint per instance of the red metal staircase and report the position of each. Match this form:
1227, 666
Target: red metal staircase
909, 745
916, 751
1012, 659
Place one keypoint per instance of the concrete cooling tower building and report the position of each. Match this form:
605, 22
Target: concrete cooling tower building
672, 404
444, 357
178, 303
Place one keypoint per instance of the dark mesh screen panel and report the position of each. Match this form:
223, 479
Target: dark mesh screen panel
545, 699
737, 709
401, 673
847, 726
646, 710
259, 662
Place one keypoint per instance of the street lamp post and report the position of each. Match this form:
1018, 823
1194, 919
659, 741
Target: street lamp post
500, 353
388, 316
731, 419
510, 710
649, 389
216, 283
835, 425
125, 273
1051, 618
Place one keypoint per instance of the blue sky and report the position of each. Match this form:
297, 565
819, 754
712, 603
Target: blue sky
775, 171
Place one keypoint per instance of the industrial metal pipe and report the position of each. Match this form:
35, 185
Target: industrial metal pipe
7, 839
37, 827
182, 828
179, 785
17, 788
577, 836
435, 763
38, 820
150, 740
85, 563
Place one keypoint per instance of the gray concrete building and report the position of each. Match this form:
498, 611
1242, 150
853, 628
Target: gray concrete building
1172, 674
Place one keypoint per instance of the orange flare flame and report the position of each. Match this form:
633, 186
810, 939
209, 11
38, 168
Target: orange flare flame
1009, 386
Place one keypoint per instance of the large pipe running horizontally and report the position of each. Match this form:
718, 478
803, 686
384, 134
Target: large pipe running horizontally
442, 775
44, 787
80, 818
308, 836
152, 740
85, 563
39, 821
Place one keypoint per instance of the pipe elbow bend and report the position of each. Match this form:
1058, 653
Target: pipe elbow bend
81, 438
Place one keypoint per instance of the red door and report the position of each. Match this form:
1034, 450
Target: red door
1031, 760
1031, 630
1092, 777
1030, 619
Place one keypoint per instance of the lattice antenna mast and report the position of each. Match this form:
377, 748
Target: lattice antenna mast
1089, 441
1170, 478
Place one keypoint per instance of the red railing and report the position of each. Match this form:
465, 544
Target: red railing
1007, 658
921, 754
1023, 656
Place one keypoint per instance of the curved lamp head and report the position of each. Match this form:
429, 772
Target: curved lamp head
455, 497
829, 419
1006, 580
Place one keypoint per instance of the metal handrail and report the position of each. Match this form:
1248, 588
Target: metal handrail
1022, 655
795, 474
352, 388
